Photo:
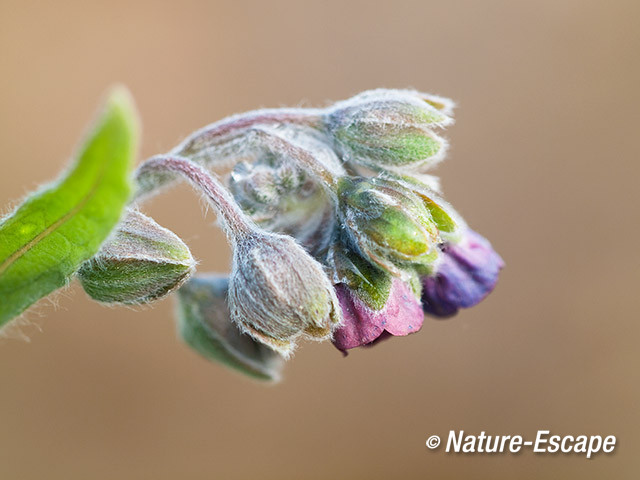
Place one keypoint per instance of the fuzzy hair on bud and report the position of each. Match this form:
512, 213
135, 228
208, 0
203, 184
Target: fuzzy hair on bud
449, 222
278, 292
387, 223
140, 263
270, 186
204, 323
390, 128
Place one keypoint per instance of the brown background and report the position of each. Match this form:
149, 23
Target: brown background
544, 163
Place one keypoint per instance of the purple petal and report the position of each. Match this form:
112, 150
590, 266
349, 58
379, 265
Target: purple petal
467, 273
362, 325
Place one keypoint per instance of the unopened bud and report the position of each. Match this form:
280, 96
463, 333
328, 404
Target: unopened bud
270, 185
280, 197
141, 263
387, 223
447, 220
278, 292
254, 187
389, 128
204, 323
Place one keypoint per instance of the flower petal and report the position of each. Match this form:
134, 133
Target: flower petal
362, 325
468, 272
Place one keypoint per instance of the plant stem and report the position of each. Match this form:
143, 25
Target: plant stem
235, 222
231, 127
216, 141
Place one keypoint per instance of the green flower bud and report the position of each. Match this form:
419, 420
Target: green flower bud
278, 292
389, 128
449, 222
387, 223
140, 263
204, 323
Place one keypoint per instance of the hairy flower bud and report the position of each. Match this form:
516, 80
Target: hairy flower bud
204, 323
268, 182
389, 128
401, 315
141, 263
254, 187
387, 223
467, 273
447, 220
278, 293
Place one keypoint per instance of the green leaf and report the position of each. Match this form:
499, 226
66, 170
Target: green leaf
46, 239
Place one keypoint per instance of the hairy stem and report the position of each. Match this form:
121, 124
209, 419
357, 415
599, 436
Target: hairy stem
230, 127
218, 143
235, 222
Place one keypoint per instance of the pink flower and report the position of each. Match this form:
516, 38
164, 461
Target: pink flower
401, 315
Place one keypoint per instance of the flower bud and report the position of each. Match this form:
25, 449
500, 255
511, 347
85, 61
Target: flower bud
278, 293
448, 222
277, 195
389, 128
140, 263
401, 315
204, 323
281, 190
387, 223
254, 187
467, 273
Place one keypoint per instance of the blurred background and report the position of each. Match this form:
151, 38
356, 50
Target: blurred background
544, 162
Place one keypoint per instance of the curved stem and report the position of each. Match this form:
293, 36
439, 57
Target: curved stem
219, 140
230, 127
235, 222
252, 137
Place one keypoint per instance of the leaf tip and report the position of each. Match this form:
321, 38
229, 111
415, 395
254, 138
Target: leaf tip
120, 101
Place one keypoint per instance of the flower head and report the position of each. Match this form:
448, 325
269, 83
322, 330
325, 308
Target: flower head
335, 233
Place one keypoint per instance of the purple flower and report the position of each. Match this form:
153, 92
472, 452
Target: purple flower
362, 325
468, 272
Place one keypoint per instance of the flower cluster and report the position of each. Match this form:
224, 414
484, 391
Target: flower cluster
337, 232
